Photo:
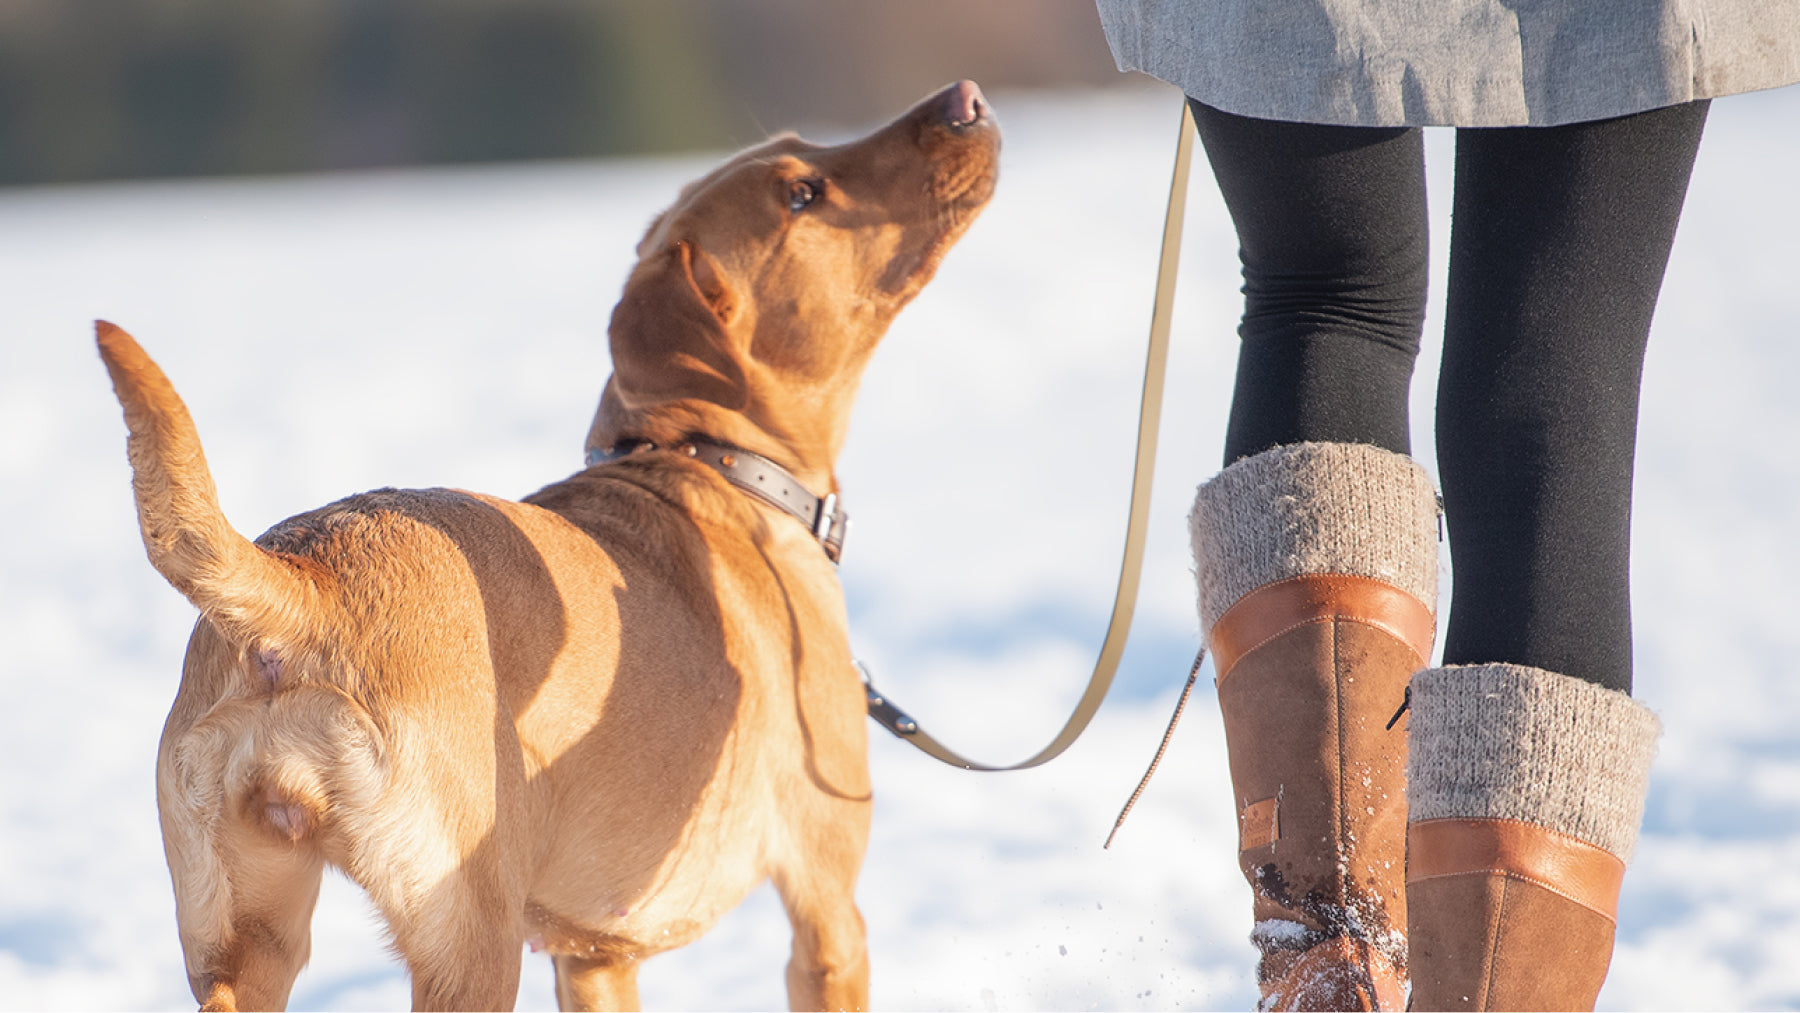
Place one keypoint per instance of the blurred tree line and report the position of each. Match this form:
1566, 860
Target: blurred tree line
97, 89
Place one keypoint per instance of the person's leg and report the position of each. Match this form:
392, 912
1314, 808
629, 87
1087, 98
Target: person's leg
1559, 242
1529, 760
1316, 548
1332, 232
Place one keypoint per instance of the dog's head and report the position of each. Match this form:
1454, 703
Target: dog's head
758, 297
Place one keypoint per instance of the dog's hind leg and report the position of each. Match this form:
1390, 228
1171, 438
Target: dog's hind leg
461, 952
455, 918
492, 986
266, 935
244, 859
597, 984
478, 971
829, 969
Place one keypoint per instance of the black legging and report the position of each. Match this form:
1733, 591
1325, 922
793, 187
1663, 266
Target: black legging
1559, 240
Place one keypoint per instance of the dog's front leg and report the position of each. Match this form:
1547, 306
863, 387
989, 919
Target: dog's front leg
584, 984
829, 968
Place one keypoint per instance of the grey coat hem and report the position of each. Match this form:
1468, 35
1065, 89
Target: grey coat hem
1470, 63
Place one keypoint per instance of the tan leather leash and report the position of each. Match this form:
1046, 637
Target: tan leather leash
1125, 600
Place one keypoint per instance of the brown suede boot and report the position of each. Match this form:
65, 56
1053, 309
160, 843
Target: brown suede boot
1527, 791
1317, 566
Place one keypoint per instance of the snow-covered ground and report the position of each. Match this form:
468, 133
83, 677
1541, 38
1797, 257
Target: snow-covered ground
446, 327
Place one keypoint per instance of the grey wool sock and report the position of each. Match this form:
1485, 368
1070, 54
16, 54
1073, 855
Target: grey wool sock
1314, 508
1517, 743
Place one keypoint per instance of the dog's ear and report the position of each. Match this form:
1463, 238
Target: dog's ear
672, 332
709, 282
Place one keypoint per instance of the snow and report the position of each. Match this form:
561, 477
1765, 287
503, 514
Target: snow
445, 327
1279, 933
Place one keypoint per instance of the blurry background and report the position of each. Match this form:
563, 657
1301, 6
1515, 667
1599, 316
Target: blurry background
444, 325
104, 89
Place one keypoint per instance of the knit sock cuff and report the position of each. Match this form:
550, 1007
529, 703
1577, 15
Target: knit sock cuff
1516, 743
1340, 508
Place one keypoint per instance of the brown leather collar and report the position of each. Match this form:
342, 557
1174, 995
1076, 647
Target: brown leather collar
758, 476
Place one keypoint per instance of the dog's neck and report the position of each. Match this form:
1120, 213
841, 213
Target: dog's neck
755, 475
807, 453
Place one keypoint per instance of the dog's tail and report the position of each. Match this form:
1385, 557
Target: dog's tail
248, 592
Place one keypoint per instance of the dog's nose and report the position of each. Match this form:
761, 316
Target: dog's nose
964, 104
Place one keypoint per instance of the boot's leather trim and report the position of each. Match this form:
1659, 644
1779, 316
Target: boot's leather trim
1274, 609
1564, 865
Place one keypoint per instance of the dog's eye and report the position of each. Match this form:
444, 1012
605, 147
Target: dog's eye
802, 192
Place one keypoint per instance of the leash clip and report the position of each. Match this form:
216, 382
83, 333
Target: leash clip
883, 710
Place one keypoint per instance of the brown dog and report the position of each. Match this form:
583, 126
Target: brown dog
596, 719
